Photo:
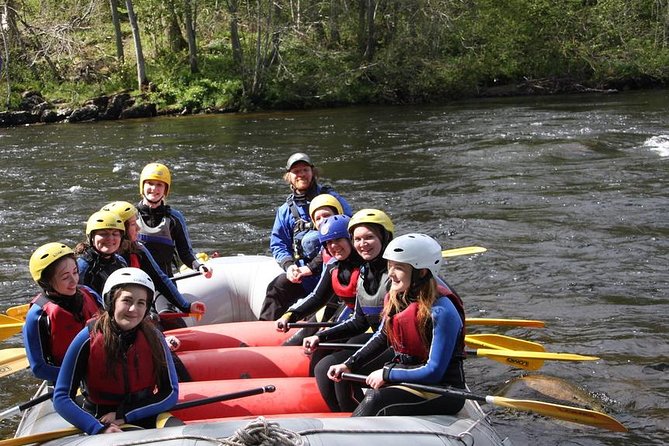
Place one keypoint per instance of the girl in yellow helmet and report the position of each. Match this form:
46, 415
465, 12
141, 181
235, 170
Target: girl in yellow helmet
59, 312
98, 256
163, 229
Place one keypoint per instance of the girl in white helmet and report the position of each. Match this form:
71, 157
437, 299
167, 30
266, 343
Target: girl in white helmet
123, 361
423, 322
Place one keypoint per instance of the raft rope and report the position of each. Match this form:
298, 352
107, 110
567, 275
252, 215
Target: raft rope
259, 432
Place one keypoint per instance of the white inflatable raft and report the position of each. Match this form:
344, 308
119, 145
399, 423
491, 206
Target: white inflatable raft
469, 427
234, 292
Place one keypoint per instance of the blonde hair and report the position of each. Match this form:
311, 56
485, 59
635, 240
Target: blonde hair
426, 295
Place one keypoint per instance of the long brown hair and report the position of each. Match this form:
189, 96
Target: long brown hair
114, 347
425, 296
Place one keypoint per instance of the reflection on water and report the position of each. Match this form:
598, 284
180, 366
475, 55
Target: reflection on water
568, 195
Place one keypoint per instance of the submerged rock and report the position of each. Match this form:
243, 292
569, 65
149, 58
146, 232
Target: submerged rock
552, 390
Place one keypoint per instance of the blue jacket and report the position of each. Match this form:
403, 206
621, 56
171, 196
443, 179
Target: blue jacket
281, 239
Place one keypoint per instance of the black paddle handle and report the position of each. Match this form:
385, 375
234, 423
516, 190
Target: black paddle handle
225, 397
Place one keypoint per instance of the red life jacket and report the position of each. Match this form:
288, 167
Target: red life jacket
326, 256
132, 379
133, 260
345, 293
63, 325
406, 334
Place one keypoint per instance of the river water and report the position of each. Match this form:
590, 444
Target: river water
569, 195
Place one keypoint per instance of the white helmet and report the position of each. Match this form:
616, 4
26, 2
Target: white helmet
418, 250
127, 276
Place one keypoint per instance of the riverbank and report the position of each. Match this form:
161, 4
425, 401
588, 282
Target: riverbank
35, 109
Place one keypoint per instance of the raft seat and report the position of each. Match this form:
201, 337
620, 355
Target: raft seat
292, 396
245, 363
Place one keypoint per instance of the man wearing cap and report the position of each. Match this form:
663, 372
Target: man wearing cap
292, 221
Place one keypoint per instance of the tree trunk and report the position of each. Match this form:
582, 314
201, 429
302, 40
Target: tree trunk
237, 52
371, 30
335, 37
141, 65
175, 39
190, 20
113, 4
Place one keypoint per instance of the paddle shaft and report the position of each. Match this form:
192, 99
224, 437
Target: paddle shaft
21, 407
468, 321
225, 397
559, 411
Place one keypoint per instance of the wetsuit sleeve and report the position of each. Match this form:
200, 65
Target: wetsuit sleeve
316, 299
280, 240
316, 264
71, 373
164, 399
182, 238
357, 324
36, 337
164, 284
445, 334
376, 345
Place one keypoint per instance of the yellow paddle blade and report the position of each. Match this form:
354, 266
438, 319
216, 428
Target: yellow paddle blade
4, 319
53, 435
529, 360
495, 341
41, 437
9, 330
18, 312
12, 360
535, 355
505, 322
566, 413
467, 250
501, 342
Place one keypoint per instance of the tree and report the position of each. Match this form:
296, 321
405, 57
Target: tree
141, 64
189, 23
113, 4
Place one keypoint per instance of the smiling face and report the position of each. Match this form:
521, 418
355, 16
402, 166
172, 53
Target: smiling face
65, 277
366, 242
321, 214
130, 306
106, 241
399, 275
132, 228
300, 176
154, 191
339, 248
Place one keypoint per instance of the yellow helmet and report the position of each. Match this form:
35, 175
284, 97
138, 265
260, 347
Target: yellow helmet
104, 220
372, 216
155, 171
123, 209
44, 256
325, 200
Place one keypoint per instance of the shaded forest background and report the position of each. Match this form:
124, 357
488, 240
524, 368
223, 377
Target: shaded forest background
199, 55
